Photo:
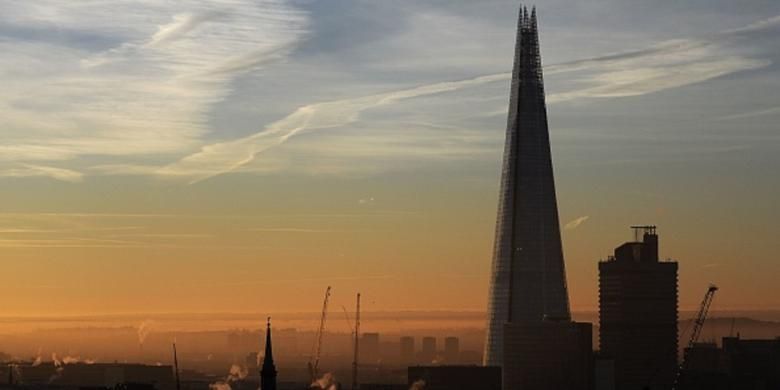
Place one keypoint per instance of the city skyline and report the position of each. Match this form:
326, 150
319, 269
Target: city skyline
143, 173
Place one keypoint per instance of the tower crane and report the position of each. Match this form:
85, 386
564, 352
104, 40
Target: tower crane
314, 362
697, 327
357, 346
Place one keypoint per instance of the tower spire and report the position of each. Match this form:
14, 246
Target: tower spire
268, 371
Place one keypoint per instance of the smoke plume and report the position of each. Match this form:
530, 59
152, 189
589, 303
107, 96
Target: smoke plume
70, 360
418, 385
38, 359
326, 382
220, 386
236, 373
58, 368
143, 331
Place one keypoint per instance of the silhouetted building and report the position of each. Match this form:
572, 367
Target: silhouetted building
455, 377
528, 280
754, 362
82, 375
738, 364
369, 348
638, 314
548, 355
268, 372
428, 352
407, 350
451, 350
603, 373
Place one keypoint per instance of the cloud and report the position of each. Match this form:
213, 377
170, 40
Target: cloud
146, 82
149, 91
667, 65
29, 170
225, 157
750, 114
571, 225
181, 25
293, 230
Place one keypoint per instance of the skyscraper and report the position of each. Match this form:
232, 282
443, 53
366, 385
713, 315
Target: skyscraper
638, 313
268, 372
528, 280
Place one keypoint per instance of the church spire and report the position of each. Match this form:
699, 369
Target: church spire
268, 371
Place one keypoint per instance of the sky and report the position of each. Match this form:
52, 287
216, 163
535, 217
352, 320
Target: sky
240, 156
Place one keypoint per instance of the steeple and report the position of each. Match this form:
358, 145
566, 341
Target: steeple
268, 371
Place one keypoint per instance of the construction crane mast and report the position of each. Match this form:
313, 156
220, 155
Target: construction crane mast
698, 324
355, 385
176, 367
314, 362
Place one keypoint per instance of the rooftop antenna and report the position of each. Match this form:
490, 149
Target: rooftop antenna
640, 230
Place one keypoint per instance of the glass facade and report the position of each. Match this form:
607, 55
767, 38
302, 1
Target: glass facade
528, 279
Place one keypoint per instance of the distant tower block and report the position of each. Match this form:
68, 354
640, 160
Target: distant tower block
428, 352
528, 280
451, 350
407, 350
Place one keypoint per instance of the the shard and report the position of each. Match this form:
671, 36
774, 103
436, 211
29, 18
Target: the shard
528, 279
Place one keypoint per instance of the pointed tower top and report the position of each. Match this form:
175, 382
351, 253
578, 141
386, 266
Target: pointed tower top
525, 16
268, 371
269, 356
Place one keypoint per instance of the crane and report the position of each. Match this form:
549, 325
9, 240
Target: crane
697, 327
314, 362
357, 346
176, 366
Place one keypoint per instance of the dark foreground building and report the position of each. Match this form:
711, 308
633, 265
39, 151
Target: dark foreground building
738, 364
82, 375
455, 378
528, 281
550, 355
638, 314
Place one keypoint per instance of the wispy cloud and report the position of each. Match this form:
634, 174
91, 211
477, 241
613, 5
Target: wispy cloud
30, 170
292, 230
571, 225
666, 65
225, 157
140, 79
750, 114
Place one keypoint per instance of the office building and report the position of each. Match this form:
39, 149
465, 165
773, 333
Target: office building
548, 355
528, 280
638, 313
